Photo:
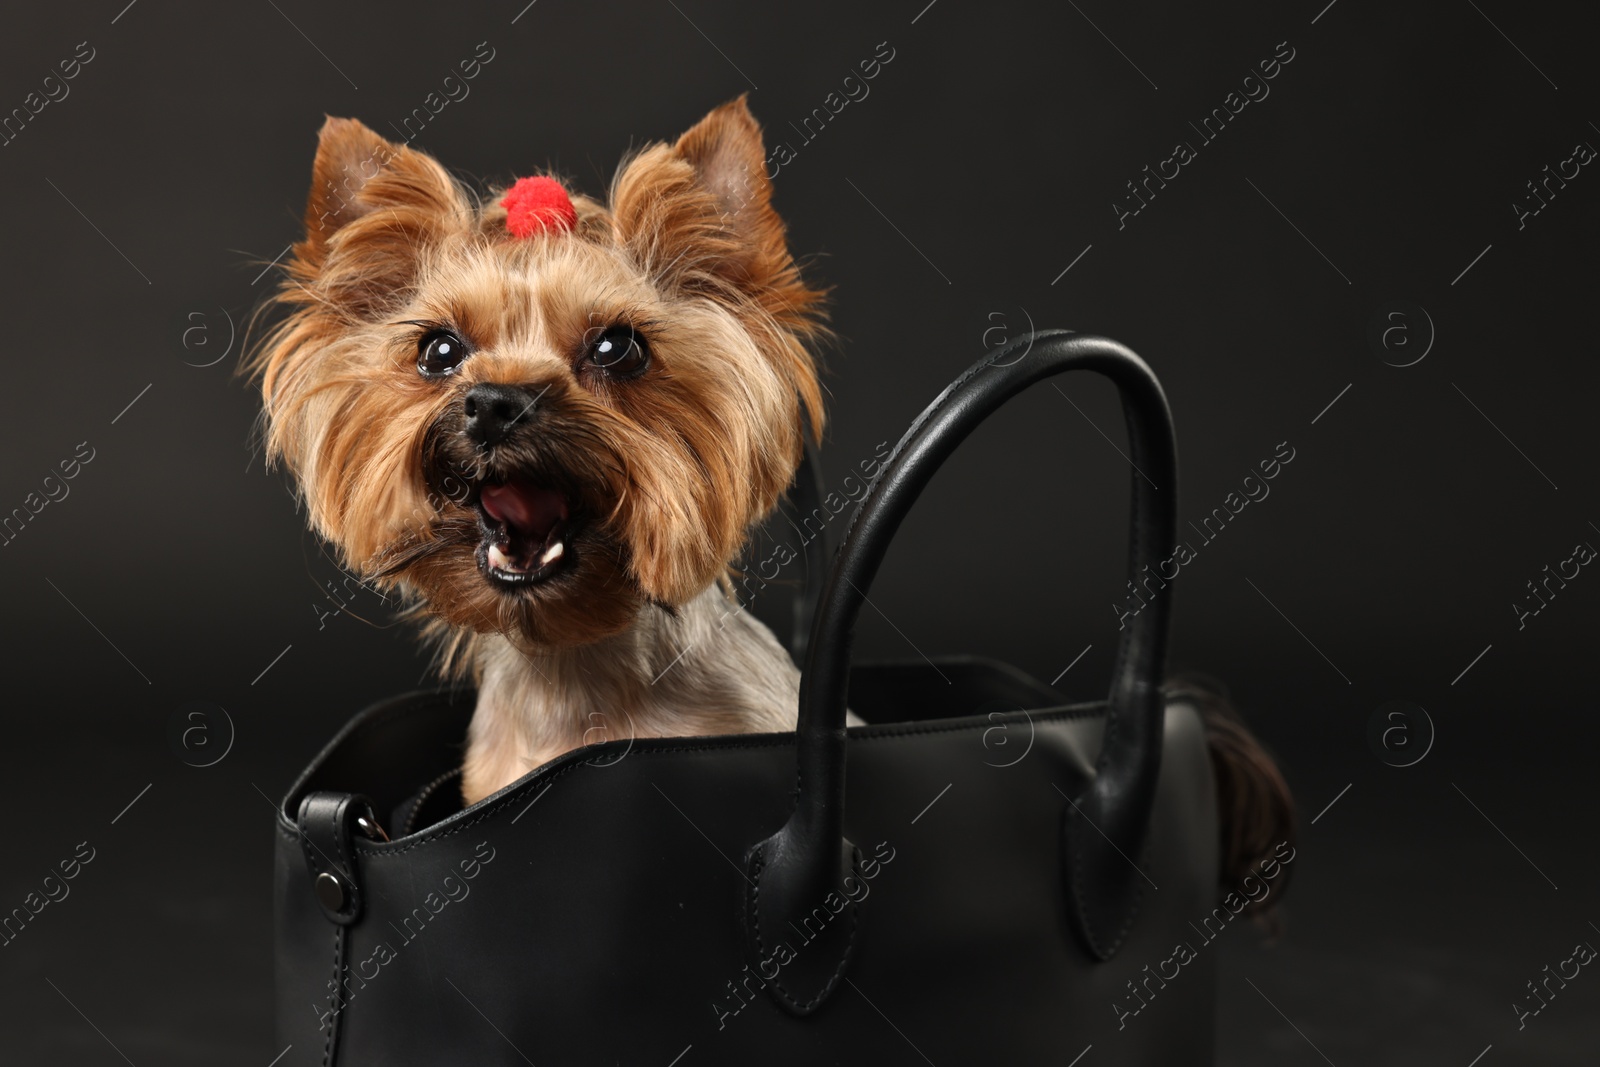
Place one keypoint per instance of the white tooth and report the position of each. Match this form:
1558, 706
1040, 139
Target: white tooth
499, 561
553, 553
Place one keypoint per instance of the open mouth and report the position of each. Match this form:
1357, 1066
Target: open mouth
527, 529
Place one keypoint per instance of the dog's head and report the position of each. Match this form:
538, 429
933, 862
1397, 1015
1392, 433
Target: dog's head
542, 434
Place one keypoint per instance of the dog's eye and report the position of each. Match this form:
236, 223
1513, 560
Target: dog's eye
440, 352
620, 352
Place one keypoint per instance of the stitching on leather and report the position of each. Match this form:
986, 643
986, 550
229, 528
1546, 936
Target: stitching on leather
1159, 614
396, 707
427, 701
1114, 721
804, 1007
345, 864
308, 846
889, 731
333, 1002
408, 704
1095, 939
1115, 710
422, 799
1075, 863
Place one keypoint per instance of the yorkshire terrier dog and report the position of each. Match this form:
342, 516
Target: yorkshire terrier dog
553, 422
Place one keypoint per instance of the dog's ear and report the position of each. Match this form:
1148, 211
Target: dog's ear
698, 215
374, 206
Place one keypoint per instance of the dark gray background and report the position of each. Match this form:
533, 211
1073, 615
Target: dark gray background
948, 202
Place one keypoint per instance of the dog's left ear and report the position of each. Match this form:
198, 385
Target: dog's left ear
374, 208
698, 216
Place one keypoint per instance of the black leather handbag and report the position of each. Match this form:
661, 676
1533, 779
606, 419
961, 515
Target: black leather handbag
909, 891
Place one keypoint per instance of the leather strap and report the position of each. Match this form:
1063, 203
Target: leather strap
1104, 828
327, 824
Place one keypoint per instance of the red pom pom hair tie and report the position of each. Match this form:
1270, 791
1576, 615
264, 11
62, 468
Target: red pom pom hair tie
538, 204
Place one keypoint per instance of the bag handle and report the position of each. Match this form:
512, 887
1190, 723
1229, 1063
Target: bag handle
806, 861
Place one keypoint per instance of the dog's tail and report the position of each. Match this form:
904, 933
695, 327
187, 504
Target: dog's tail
1254, 807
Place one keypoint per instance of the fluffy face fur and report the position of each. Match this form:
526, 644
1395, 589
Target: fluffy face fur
609, 495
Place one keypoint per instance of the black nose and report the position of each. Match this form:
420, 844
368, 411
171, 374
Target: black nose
494, 411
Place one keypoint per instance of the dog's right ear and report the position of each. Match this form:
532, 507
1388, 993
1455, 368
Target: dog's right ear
373, 206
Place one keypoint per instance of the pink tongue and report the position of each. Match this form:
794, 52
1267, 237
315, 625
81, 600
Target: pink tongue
527, 509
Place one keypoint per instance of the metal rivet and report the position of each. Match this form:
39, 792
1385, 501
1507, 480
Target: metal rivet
370, 828
330, 891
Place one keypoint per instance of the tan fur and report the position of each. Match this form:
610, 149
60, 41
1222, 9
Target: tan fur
669, 471
709, 669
